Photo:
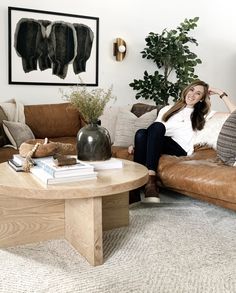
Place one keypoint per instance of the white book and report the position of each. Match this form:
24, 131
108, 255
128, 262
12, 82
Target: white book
18, 159
112, 163
49, 166
15, 166
48, 179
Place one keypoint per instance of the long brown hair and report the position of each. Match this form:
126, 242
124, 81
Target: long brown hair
200, 109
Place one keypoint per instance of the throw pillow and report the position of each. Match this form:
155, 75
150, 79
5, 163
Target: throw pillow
3, 138
109, 117
128, 123
17, 132
226, 143
140, 108
14, 111
209, 134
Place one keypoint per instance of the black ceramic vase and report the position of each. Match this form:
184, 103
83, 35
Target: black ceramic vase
93, 143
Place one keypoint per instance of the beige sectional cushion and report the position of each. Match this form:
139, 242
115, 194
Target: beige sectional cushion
128, 123
17, 132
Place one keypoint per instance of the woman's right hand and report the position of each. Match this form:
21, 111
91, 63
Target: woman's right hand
131, 149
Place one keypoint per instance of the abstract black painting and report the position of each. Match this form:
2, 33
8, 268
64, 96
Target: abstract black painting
52, 48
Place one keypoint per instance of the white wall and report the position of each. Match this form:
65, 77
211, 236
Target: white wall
133, 20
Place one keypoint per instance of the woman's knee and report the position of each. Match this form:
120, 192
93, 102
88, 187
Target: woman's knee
157, 127
140, 135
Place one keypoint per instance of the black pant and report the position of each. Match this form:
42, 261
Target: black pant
151, 143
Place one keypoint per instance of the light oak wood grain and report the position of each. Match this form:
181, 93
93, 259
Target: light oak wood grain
83, 227
28, 220
24, 185
115, 211
78, 211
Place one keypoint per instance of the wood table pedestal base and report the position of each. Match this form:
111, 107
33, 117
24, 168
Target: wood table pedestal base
81, 221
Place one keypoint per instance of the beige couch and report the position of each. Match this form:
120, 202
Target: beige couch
201, 175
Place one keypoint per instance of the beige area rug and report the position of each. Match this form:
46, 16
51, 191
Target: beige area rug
182, 245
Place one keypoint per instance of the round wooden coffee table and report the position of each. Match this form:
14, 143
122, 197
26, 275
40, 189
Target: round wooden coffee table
79, 212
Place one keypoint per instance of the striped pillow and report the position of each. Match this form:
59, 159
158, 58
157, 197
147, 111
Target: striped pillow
226, 142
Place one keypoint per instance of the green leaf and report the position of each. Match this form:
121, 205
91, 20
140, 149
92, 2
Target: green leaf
170, 51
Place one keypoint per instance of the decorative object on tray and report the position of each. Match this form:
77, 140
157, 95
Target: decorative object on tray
46, 148
93, 140
38, 148
62, 160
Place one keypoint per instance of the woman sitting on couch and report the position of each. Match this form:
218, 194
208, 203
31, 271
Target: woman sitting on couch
173, 131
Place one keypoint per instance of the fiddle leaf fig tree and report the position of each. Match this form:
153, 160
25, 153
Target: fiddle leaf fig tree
174, 60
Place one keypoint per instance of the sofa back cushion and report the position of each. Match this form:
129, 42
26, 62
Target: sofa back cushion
140, 108
52, 120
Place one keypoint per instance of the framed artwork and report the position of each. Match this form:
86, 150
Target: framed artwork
52, 48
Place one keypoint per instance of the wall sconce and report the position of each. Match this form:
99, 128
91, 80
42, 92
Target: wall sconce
119, 49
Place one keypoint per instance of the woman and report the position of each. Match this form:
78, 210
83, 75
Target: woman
173, 131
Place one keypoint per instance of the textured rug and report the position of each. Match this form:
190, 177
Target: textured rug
181, 245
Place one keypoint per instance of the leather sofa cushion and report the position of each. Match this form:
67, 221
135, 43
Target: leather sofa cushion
6, 153
52, 120
121, 153
202, 173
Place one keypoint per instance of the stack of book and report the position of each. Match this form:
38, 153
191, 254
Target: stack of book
49, 173
17, 162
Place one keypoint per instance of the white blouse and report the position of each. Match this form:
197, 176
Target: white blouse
179, 127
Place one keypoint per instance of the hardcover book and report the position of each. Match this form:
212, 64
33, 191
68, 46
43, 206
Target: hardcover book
112, 163
48, 179
49, 166
15, 166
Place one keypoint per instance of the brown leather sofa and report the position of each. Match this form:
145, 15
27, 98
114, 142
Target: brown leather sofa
57, 122
201, 175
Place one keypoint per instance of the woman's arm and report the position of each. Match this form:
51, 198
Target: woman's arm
228, 102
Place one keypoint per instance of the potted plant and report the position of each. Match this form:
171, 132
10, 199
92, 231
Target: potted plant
93, 140
174, 60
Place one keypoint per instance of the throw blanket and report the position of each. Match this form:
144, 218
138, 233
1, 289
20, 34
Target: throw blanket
14, 111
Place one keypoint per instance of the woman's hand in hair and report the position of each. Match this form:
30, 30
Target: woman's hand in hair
227, 100
214, 91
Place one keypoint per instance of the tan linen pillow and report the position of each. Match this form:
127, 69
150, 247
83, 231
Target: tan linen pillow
17, 132
109, 118
128, 123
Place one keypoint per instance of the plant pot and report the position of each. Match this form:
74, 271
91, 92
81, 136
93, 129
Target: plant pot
93, 143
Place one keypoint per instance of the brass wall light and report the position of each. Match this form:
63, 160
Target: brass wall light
119, 49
